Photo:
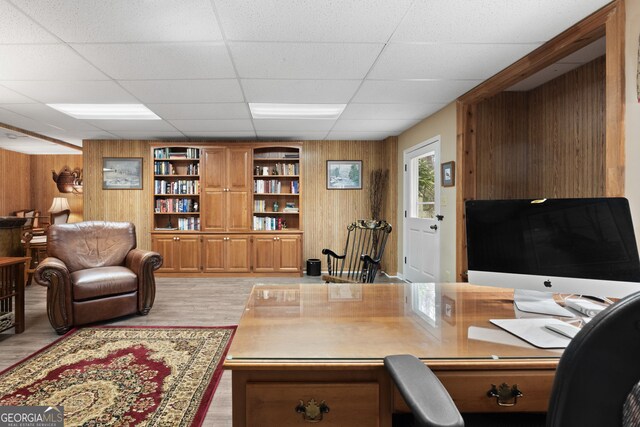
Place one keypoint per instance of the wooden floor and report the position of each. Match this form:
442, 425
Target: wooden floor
179, 302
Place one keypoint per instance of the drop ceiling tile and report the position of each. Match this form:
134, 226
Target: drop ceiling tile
44, 114
357, 136
295, 125
45, 62
304, 60
401, 92
310, 20
212, 125
17, 120
125, 20
491, 21
8, 96
299, 91
234, 110
17, 28
77, 92
221, 135
292, 135
587, 53
113, 126
543, 76
76, 137
184, 91
391, 126
390, 111
156, 61
35, 146
446, 61
152, 135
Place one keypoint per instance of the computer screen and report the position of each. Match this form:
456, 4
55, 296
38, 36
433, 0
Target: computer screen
582, 246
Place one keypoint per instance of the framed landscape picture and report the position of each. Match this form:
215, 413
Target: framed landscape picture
122, 173
344, 174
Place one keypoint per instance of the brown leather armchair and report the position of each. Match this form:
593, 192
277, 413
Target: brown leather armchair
94, 272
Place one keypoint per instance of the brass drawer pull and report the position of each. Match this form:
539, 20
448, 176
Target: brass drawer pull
504, 394
312, 411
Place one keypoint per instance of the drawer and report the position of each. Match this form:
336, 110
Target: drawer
273, 404
469, 390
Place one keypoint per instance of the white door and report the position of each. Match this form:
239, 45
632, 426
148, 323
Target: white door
421, 207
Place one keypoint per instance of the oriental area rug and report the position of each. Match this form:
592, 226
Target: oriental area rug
123, 376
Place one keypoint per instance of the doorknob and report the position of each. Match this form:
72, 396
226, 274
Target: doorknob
434, 227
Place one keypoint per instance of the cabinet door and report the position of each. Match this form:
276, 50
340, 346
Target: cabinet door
238, 254
214, 169
165, 246
213, 247
288, 252
238, 169
238, 216
213, 211
264, 254
189, 250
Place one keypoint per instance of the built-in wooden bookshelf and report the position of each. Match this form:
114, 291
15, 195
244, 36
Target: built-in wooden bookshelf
276, 188
176, 189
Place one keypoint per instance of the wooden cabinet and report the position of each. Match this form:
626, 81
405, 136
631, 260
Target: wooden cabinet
273, 253
180, 253
227, 253
206, 196
227, 182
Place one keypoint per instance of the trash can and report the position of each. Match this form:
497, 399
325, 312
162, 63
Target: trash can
313, 267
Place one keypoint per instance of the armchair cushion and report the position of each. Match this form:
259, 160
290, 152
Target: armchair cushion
102, 281
91, 244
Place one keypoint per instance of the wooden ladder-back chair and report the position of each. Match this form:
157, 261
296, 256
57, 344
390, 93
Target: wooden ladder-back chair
366, 240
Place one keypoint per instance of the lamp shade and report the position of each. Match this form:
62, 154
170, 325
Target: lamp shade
59, 204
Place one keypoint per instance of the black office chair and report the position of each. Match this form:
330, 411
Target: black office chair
596, 383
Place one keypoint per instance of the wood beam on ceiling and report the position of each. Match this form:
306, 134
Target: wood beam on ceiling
38, 136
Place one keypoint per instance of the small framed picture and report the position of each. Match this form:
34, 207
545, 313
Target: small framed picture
344, 174
448, 174
122, 173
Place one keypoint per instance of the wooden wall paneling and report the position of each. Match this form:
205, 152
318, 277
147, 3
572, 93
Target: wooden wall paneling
328, 212
118, 205
466, 172
44, 189
390, 264
502, 167
15, 182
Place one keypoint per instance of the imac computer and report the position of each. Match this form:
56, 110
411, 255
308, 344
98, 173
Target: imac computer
569, 246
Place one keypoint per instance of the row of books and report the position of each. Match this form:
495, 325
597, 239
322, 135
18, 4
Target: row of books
181, 186
190, 223
176, 205
266, 223
277, 155
278, 169
166, 168
274, 186
172, 153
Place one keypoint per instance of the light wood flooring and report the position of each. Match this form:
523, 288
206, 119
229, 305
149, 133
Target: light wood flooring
179, 302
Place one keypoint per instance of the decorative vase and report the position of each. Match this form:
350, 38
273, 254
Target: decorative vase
276, 206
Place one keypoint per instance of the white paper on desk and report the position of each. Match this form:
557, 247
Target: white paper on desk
534, 332
496, 336
539, 302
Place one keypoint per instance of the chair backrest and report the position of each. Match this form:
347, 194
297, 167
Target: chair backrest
91, 244
61, 217
365, 237
599, 369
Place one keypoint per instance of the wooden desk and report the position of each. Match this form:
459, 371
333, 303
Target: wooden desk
326, 342
12, 293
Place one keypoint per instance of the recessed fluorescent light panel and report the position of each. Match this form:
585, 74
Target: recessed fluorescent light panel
296, 111
106, 111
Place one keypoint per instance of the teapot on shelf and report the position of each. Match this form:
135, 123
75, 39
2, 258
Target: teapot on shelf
68, 181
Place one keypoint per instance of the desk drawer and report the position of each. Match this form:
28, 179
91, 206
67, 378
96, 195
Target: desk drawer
273, 404
469, 390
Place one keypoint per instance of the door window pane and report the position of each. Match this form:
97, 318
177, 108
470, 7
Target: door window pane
425, 186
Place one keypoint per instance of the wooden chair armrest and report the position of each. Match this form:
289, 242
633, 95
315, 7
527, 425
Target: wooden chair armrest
332, 254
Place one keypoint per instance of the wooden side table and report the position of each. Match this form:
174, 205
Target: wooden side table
12, 293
